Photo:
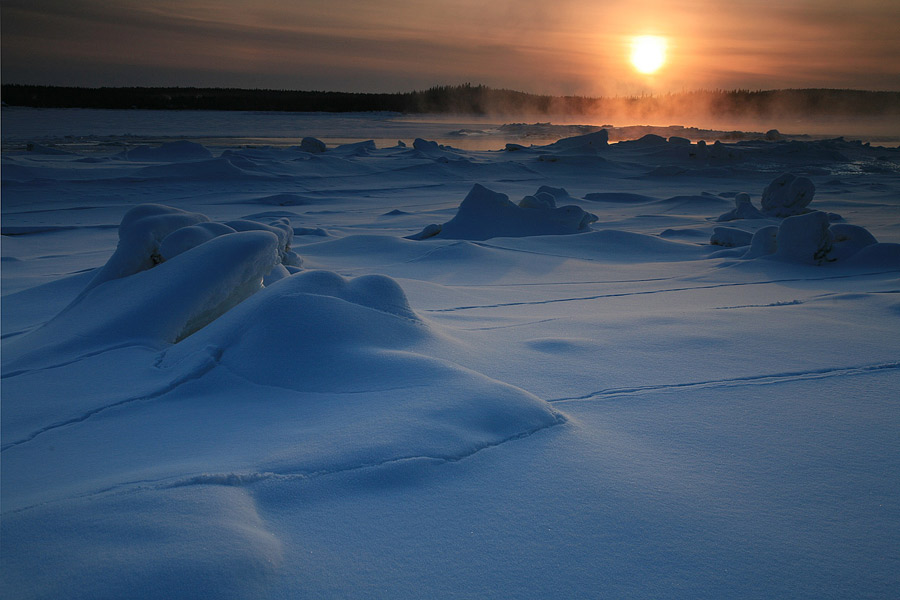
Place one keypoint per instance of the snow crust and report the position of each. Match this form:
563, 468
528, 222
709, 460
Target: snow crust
246, 371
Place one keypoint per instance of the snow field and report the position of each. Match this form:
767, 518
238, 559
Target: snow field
602, 372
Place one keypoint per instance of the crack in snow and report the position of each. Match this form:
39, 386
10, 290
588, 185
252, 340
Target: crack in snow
242, 479
196, 373
238, 479
769, 379
649, 292
770, 305
123, 345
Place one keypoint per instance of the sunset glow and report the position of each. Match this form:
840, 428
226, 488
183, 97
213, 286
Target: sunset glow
648, 53
403, 45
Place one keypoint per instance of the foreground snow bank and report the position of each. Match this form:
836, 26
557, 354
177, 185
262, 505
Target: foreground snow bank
154, 307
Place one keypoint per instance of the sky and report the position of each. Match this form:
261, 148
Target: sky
560, 47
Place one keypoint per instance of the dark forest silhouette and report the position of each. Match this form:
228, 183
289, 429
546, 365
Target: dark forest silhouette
463, 99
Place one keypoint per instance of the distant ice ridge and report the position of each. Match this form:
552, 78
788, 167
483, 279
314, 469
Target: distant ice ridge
485, 214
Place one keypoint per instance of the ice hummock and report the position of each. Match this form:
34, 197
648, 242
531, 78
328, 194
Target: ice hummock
485, 214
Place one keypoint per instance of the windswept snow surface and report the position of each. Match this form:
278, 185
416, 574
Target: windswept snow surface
581, 369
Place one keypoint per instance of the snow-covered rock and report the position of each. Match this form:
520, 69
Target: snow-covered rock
805, 239
812, 239
743, 209
588, 143
849, 240
485, 214
312, 145
764, 242
787, 195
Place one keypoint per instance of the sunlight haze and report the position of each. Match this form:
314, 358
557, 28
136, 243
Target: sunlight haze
568, 47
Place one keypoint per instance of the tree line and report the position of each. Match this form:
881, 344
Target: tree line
460, 99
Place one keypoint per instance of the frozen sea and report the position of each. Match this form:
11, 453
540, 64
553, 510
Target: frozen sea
260, 355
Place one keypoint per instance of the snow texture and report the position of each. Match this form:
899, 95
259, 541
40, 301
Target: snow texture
239, 371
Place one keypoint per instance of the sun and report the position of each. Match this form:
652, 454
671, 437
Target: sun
648, 53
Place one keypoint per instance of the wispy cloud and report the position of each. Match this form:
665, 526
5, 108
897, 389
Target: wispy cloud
570, 46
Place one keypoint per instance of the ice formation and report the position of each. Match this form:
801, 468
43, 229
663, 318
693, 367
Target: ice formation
804, 238
763, 243
811, 239
743, 209
154, 307
172, 273
142, 230
787, 195
312, 145
485, 214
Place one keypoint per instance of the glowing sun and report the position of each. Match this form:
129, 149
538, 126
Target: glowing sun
648, 53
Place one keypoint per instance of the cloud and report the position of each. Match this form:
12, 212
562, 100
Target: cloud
570, 46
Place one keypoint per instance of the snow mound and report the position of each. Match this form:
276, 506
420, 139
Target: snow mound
312, 145
286, 199
319, 333
730, 237
166, 257
848, 240
812, 239
154, 307
281, 227
141, 231
743, 209
231, 167
608, 245
619, 197
763, 243
805, 239
360, 149
884, 255
787, 195
374, 291
429, 149
589, 143
485, 214
189, 237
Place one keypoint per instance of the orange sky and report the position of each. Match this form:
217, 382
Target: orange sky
559, 47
